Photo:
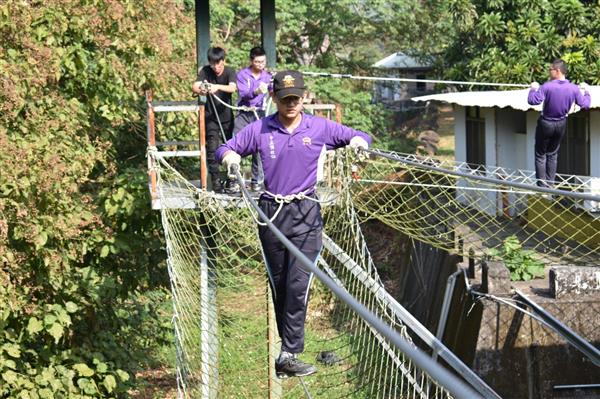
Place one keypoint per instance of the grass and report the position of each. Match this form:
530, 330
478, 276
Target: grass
156, 377
244, 359
243, 353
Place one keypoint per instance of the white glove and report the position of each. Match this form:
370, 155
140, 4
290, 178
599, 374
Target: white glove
358, 144
232, 160
584, 87
262, 88
535, 85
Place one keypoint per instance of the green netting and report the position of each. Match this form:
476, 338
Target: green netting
226, 339
425, 199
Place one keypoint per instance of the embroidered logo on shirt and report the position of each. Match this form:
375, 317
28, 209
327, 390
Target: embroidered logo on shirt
288, 81
272, 147
306, 141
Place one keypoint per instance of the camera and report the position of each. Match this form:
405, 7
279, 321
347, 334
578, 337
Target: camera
205, 86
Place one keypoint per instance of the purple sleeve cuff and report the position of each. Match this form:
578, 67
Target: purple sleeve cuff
535, 97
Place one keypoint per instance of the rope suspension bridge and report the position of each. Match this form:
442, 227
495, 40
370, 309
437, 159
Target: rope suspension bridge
224, 325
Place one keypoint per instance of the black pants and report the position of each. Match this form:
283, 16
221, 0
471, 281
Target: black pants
243, 119
548, 135
213, 141
301, 222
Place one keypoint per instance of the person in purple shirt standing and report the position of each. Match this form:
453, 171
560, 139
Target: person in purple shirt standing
558, 96
253, 85
292, 145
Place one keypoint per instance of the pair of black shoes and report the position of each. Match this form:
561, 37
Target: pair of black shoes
293, 367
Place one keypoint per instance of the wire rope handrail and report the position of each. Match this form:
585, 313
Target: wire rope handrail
390, 79
476, 176
441, 375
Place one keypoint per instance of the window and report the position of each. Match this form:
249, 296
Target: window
475, 125
574, 153
421, 86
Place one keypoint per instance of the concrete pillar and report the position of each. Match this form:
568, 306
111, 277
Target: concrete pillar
202, 31
268, 27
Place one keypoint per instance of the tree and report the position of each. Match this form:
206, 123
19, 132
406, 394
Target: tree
513, 41
77, 237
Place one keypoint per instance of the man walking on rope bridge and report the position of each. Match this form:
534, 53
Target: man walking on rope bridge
292, 145
216, 79
558, 96
253, 84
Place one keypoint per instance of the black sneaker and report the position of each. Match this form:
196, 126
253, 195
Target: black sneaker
293, 367
217, 186
232, 187
255, 187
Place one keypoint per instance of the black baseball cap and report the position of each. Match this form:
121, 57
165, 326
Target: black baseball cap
288, 83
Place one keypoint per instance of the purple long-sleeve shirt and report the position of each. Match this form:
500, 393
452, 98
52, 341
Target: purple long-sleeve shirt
290, 161
558, 97
247, 85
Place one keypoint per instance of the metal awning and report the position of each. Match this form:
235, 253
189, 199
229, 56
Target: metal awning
516, 99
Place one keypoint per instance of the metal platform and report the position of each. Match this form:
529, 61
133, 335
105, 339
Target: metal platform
174, 196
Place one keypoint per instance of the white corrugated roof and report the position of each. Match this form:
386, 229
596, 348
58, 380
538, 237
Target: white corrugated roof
399, 60
516, 99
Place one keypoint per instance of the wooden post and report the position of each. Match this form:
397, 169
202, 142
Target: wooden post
202, 131
505, 204
151, 135
471, 269
338, 113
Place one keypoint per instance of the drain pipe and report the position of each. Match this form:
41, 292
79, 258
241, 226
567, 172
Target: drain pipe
446, 307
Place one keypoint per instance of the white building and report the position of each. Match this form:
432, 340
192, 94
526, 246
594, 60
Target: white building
497, 129
400, 65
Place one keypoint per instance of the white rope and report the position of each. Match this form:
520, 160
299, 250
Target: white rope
282, 200
237, 108
255, 217
509, 303
214, 107
387, 79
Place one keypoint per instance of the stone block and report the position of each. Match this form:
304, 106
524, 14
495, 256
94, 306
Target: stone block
498, 278
574, 282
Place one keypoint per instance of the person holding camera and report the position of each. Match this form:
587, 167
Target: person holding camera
216, 79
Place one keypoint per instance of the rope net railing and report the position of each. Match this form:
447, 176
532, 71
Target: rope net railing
225, 333
471, 209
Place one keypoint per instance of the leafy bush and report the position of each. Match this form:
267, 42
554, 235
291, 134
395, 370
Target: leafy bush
520, 262
78, 240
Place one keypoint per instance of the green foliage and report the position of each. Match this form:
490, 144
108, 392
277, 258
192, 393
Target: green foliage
77, 237
358, 112
521, 263
513, 41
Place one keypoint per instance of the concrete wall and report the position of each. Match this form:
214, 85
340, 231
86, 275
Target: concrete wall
515, 151
595, 143
515, 354
460, 134
532, 117
483, 200
511, 147
511, 138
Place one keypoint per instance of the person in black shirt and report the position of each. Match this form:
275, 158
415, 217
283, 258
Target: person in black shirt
216, 79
